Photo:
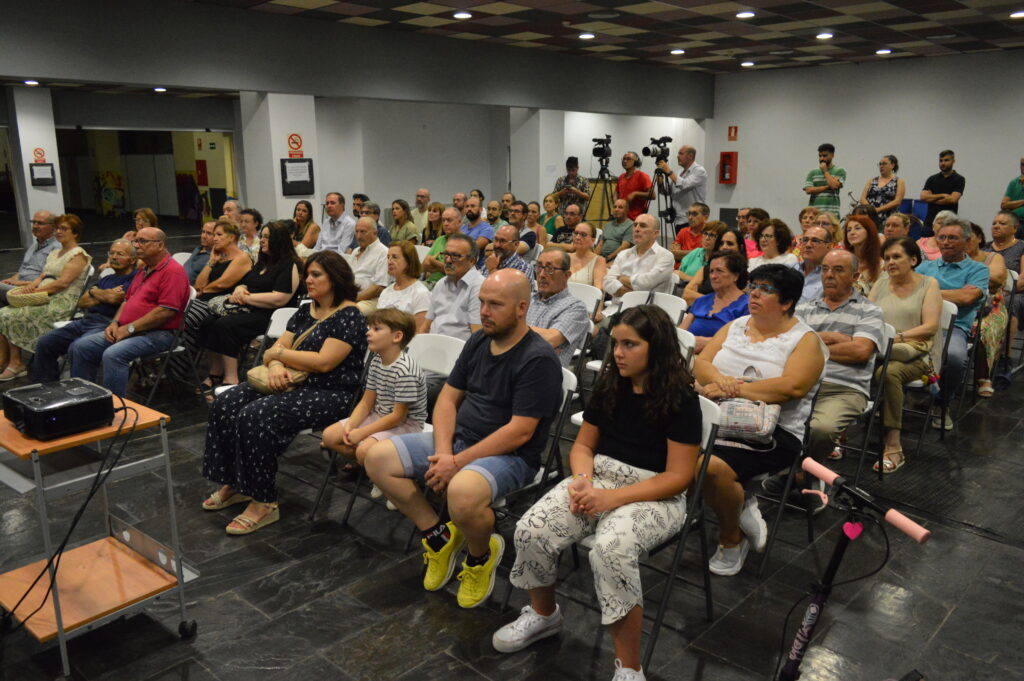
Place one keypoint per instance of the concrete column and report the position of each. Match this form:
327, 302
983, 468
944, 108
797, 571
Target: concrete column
268, 120
31, 118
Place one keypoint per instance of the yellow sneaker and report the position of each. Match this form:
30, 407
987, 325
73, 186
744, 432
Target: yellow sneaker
477, 582
441, 564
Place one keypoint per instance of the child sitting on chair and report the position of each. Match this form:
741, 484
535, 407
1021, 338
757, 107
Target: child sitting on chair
395, 399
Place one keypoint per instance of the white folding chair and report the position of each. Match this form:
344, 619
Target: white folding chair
946, 319
591, 296
421, 251
688, 344
628, 300
675, 306
181, 257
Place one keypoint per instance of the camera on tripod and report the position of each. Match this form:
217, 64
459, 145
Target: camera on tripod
602, 147
658, 149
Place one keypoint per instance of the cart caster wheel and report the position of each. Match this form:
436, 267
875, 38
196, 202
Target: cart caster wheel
187, 630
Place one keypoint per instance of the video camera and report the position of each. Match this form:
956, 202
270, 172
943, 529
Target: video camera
602, 147
658, 149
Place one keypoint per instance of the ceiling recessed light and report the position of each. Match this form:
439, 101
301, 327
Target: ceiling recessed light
747, 64
462, 15
744, 15
1017, 15
823, 36
587, 36
31, 83
159, 89
883, 51
678, 51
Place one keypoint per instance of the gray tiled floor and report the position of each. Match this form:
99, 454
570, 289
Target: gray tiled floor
305, 599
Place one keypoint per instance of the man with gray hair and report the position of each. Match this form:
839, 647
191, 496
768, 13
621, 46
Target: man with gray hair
963, 281
851, 327
555, 314
43, 223
100, 303
370, 209
338, 230
455, 300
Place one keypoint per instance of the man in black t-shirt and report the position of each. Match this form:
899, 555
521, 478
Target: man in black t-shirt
490, 426
942, 191
562, 238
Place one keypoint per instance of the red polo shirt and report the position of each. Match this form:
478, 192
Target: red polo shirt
640, 182
166, 285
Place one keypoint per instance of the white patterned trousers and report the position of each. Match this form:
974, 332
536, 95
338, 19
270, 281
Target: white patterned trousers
620, 536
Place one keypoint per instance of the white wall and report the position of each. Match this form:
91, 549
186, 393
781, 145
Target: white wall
31, 114
911, 108
389, 149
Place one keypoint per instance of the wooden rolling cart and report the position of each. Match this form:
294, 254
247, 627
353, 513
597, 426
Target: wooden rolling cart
101, 580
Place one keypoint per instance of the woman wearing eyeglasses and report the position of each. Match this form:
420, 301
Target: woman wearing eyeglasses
728, 275
775, 240
768, 356
62, 278
695, 260
730, 239
586, 266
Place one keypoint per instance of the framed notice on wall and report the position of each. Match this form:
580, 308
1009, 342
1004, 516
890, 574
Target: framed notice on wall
42, 174
297, 176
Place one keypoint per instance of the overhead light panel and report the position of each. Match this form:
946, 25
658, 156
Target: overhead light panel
31, 83
463, 15
883, 52
159, 89
1017, 15
678, 51
747, 64
587, 36
825, 35
745, 15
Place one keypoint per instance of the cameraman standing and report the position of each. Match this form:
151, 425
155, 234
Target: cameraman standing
634, 185
688, 187
572, 188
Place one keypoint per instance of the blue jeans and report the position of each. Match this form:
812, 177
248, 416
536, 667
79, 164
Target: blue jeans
53, 345
88, 352
952, 375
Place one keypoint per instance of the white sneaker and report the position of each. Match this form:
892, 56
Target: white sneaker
752, 525
727, 562
937, 423
375, 492
627, 674
526, 629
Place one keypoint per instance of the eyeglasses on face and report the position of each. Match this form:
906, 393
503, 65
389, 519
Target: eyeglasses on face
143, 242
709, 233
766, 235
454, 257
693, 212
549, 269
812, 240
765, 288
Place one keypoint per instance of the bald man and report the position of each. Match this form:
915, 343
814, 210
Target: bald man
689, 186
419, 211
490, 428
371, 266
43, 223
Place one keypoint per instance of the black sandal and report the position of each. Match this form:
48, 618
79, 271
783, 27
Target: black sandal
206, 387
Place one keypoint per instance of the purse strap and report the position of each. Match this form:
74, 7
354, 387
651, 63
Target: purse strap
305, 334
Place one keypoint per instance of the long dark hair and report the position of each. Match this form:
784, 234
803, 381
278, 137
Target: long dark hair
343, 283
668, 377
279, 247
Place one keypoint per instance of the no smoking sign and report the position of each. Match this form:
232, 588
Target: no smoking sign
294, 145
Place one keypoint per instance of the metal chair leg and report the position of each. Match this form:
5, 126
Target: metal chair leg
324, 482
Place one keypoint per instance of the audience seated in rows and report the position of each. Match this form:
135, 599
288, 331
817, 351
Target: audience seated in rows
1005, 242
490, 425
815, 244
993, 319
726, 302
248, 430
62, 280
503, 253
200, 255
339, 229
245, 313
769, 356
476, 228
403, 227
433, 262
861, 239
585, 265
695, 260
433, 229
774, 239
455, 299
371, 265
407, 293
690, 237
250, 226
145, 324
563, 236
306, 232
729, 239
617, 232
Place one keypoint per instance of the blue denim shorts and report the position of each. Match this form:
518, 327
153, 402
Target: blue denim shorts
505, 473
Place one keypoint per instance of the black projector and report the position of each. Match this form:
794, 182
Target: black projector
46, 411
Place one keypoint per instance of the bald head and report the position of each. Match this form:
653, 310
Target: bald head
509, 283
43, 223
366, 231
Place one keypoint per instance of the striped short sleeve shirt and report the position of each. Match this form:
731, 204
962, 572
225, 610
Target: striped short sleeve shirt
857, 317
398, 382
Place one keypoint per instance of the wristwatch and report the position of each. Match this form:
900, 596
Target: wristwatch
131, 329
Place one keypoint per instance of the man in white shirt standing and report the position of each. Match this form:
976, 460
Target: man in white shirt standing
371, 268
690, 186
337, 231
644, 267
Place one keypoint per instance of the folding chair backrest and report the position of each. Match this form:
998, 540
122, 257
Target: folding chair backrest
421, 251
106, 272
435, 352
687, 343
634, 299
182, 257
949, 309
1010, 285
591, 296
888, 336
279, 321
675, 306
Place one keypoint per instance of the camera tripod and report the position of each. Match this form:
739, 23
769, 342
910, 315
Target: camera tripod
666, 211
603, 184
